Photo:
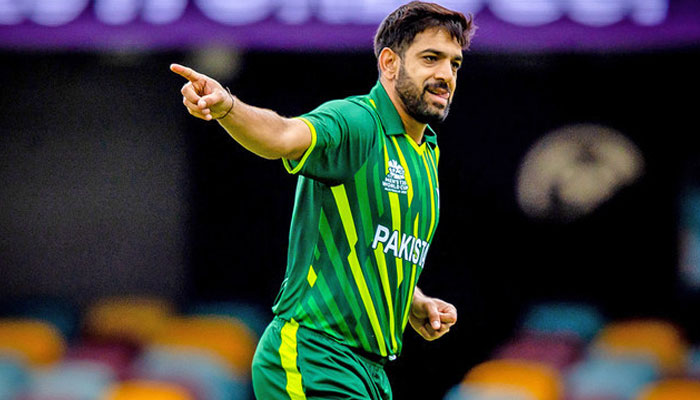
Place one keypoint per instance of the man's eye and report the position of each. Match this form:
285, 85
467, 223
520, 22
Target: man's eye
430, 58
456, 65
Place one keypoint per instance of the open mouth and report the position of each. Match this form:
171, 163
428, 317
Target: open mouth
441, 95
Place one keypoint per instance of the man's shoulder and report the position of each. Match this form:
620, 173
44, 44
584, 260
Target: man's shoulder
353, 106
352, 111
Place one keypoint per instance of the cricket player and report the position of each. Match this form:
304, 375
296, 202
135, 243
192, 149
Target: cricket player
366, 209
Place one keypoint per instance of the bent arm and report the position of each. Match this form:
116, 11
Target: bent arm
261, 131
266, 133
431, 317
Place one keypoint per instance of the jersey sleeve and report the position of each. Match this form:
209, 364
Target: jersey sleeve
343, 133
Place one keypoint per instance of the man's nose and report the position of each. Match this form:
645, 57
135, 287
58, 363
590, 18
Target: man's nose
445, 72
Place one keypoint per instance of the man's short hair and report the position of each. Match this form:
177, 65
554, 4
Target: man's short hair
399, 28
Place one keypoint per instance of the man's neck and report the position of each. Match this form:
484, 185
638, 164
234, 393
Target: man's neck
413, 128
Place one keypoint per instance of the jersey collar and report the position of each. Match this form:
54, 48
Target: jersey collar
391, 121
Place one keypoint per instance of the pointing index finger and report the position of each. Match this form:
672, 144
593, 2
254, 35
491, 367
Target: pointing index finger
185, 72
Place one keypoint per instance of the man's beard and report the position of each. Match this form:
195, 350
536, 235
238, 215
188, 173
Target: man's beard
413, 99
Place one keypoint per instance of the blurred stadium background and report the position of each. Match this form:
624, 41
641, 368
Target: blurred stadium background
141, 249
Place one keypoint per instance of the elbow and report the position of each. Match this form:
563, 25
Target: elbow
292, 145
275, 151
293, 154
270, 156
291, 142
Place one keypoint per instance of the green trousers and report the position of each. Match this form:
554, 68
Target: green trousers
294, 362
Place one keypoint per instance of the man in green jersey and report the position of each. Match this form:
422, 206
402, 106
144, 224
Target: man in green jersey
366, 209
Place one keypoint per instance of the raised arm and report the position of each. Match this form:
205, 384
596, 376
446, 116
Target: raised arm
261, 131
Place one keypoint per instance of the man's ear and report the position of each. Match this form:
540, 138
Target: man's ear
389, 63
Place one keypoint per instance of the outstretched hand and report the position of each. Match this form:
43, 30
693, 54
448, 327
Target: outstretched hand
431, 317
203, 96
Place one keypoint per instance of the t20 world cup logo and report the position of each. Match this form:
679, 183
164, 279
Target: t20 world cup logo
396, 170
395, 180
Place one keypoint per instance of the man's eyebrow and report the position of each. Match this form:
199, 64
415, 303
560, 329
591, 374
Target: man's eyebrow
440, 54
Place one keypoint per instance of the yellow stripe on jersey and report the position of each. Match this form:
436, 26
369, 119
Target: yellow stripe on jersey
288, 355
407, 174
386, 158
432, 200
308, 151
410, 297
384, 275
396, 208
341, 200
419, 149
396, 225
434, 164
412, 282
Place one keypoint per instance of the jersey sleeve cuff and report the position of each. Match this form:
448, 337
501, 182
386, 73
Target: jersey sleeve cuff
293, 166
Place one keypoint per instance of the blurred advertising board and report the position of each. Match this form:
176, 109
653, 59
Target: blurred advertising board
510, 25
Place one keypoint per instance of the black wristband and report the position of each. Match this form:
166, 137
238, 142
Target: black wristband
232, 101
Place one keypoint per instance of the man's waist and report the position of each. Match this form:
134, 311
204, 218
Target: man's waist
373, 357
367, 355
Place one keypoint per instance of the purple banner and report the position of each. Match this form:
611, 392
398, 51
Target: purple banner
511, 25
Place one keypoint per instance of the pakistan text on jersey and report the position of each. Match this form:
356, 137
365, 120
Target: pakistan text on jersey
409, 248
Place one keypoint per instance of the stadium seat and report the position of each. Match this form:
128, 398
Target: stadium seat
693, 364
657, 339
540, 381
14, 377
40, 343
131, 319
476, 392
117, 356
609, 377
674, 389
227, 337
577, 320
554, 350
252, 315
211, 378
146, 390
62, 314
75, 380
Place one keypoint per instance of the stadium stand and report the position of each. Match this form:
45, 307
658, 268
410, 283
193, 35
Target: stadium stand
568, 351
672, 389
128, 348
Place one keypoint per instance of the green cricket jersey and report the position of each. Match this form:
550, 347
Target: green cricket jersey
366, 208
